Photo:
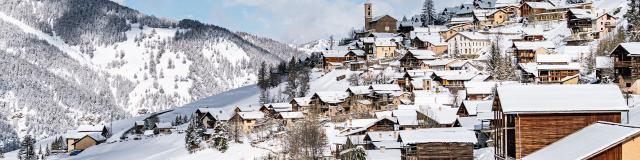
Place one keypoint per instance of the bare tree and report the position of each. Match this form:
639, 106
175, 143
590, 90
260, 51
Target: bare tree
305, 140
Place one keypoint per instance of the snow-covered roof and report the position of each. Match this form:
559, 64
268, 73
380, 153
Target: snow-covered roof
473, 106
582, 13
360, 90
378, 136
386, 154
438, 135
569, 66
335, 53
480, 87
529, 45
455, 75
459, 63
218, 113
434, 39
591, 140
384, 43
139, 123
468, 122
377, 18
552, 58
279, 105
385, 87
428, 98
423, 54
560, 98
332, 97
388, 144
408, 107
359, 123
251, 115
472, 36
442, 114
540, 5
90, 128
632, 47
291, 115
438, 62
604, 62
382, 114
164, 125
303, 101
79, 135
357, 52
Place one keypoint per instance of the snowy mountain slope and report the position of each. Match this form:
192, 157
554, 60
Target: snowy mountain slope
69, 62
314, 46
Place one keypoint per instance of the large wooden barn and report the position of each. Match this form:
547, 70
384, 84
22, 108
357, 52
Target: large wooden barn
530, 117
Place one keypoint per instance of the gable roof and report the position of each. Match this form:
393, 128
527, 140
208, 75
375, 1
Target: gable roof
377, 18
422, 54
251, 115
473, 107
540, 5
291, 115
359, 90
434, 135
632, 47
471, 35
164, 125
593, 139
91, 128
528, 45
560, 98
332, 97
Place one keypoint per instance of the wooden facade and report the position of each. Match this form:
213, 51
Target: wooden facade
449, 151
385, 24
555, 76
626, 65
518, 135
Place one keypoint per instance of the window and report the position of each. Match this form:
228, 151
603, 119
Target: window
386, 28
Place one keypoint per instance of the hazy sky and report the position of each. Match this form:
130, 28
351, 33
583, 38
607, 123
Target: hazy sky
294, 21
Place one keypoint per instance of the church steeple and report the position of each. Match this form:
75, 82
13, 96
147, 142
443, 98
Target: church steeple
367, 15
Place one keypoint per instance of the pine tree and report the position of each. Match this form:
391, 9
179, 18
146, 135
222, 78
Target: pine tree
263, 81
428, 13
193, 136
27, 152
495, 59
274, 77
292, 86
633, 18
220, 136
47, 150
304, 82
1, 150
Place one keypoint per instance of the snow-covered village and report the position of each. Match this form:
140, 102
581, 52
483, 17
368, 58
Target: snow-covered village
386, 80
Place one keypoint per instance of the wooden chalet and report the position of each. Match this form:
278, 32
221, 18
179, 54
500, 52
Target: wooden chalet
413, 59
417, 80
438, 143
359, 100
328, 103
138, 127
551, 69
300, 104
599, 141
382, 140
209, 116
530, 117
471, 108
288, 118
626, 63
581, 23
381, 124
333, 59
83, 140
432, 42
542, 11
526, 51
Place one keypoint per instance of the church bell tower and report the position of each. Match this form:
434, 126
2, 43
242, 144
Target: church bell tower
367, 15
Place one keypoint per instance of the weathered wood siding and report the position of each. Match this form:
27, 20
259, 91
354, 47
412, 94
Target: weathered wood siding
614, 153
534, 131
448, 151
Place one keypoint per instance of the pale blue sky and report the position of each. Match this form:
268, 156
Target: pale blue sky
294, 21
